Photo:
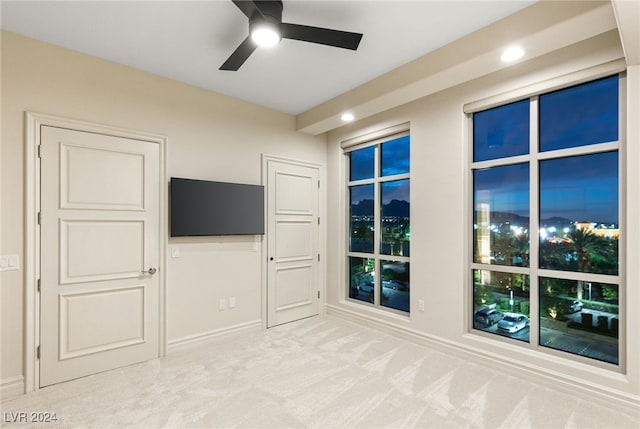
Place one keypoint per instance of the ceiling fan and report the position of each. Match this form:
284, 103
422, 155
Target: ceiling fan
267, 29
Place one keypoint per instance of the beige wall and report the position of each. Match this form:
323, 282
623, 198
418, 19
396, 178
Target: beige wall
214, 137
439, 212
210, 137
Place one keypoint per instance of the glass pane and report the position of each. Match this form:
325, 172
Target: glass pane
395, 285
579, 116
501, 215
579, 213
362, 227
501, 132
395, 156
396, 233
362, 163
501, 303
580, 317
362, 271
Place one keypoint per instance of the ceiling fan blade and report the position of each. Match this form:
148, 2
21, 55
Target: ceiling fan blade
249, 8
323, 36
240, 55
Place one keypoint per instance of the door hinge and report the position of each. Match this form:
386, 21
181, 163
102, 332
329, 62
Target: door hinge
38, 285
318, 294
318, 184
39, 151
38, 352
318, 257
318, 220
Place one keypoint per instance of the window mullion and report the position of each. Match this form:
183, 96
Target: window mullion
500, 162
394, 178
501, 268
580, 150
377, 214
578, 275
534, 222
361, 182
622, 210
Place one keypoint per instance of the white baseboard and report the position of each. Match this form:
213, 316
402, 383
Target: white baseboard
552, 379
11, 387
179, 343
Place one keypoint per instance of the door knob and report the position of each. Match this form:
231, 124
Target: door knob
150, 271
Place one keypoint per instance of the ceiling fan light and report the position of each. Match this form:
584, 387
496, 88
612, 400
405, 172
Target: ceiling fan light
265, 35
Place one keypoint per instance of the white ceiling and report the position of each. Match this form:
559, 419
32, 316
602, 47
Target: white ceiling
188, 40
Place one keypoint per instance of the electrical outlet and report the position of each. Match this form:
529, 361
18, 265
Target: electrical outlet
222, 304
421, 305
232, 302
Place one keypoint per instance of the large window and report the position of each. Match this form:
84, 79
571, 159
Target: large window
546, 221
379, 223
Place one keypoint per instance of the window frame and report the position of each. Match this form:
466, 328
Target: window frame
376, 140
533, 158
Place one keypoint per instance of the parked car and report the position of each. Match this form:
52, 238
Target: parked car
488, 316
366, 289
513, 322
395, 285
575, 306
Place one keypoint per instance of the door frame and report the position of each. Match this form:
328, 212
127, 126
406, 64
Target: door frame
266, 158
33, 122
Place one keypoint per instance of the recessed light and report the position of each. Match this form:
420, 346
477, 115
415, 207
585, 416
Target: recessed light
347, 117
512, 54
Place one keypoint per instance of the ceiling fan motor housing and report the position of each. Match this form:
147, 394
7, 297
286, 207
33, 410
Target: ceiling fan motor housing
260, 21
269, 16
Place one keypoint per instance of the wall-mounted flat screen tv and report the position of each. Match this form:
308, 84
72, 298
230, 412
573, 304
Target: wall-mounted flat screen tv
201, 208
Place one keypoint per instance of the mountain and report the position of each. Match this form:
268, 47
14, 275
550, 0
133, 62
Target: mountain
507, 217
515, 219
556, 221
363, 208
395, 208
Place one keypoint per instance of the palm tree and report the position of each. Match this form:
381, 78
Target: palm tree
520, 247
586, 246
554, 255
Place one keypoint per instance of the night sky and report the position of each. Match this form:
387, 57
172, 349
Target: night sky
395, 159
579, 188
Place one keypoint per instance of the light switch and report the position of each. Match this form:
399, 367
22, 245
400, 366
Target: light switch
175, 252
9, 262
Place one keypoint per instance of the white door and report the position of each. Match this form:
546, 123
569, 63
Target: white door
99, 300
292, 242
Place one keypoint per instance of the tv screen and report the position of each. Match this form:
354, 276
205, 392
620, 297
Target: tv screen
200, 208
